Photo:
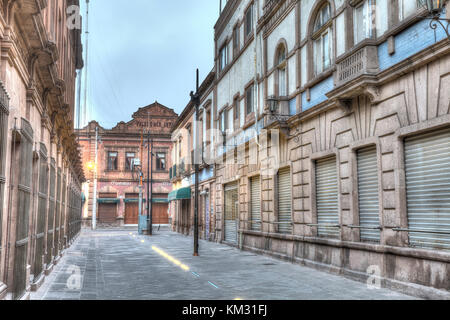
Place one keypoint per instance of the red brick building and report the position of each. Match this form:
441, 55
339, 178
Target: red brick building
118, 186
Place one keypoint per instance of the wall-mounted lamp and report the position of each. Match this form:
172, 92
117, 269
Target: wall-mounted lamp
435, 8
272, 102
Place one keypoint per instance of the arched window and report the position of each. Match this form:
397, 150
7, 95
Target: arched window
322, 39
281, 67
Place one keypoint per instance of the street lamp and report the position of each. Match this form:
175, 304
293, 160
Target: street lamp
433, 6
434, 9
195, 100
272, 101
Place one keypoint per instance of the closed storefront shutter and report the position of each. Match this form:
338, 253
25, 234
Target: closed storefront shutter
368, 198
255, 193
327, 198
284, 201
427, 167
107, 213
231, 212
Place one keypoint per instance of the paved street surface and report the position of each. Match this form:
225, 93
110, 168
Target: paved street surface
120, 264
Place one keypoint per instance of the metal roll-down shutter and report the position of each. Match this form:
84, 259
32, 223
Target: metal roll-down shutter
231, 212
284, 201
368, 194
427, 165
327, 198
255, 193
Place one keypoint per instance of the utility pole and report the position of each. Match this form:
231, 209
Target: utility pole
195, 98
86, 65
149, 185
94, 205
151, 188
141, 182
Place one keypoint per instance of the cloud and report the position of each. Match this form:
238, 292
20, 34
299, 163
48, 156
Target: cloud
146, 50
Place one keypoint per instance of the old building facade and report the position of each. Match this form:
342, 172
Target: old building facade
40, 167
337, 126
118, 184
182, 173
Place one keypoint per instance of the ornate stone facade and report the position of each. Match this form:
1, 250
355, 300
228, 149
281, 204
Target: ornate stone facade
41, 173
116, 181
335, 114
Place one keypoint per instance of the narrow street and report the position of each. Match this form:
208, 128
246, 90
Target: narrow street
121, 265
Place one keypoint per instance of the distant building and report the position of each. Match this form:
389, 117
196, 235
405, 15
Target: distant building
118, 186
182, 172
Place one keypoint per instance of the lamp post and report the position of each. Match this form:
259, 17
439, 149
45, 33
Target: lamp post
195, 99
94, 205
149, 185
434, 9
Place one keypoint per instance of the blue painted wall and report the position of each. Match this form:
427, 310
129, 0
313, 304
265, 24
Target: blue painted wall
318, 93
409, 42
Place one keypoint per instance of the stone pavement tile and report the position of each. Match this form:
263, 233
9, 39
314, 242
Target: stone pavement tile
118, 266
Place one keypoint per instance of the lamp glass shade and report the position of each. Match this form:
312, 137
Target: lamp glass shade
433, 6
273, 104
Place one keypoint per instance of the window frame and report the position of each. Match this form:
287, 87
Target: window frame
368, 16
317, 36
250, 89
128, 166
223, 57
236, 39
116, 161
400, 10
282, 65
157, 158
248, 29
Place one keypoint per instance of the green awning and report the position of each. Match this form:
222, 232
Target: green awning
108, 200
158, 200
180, 194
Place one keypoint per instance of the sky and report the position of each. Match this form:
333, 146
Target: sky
142, 51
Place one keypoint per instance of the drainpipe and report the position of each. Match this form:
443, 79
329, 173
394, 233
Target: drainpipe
11, 189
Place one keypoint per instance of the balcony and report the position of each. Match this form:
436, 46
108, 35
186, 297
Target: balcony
355, 75
362, 62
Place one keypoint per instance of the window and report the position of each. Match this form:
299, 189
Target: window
427, 189
255, 194
322, 40
249, 100
282, 81
236, 108
160, 161
327, 204
223, 58
226, 119
406, 8
284, 201
235, 40
362, 21
112, 161
129, 157
248, 21
323, 17
368, 199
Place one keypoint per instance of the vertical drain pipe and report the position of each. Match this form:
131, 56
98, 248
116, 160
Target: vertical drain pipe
11, 188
